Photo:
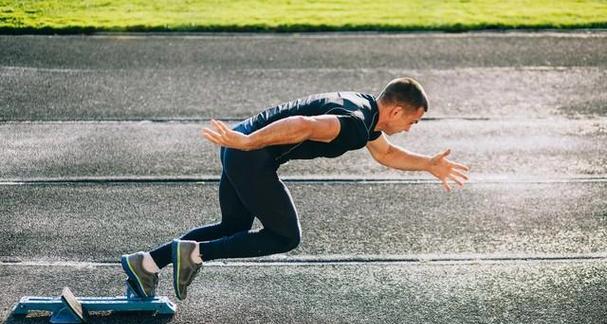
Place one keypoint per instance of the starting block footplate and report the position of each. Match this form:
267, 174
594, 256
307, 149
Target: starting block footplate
63, 314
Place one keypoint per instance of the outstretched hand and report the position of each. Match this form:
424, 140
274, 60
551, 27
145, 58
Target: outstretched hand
443, 169
225, 136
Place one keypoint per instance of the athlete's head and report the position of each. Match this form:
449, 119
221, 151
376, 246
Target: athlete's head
402, 103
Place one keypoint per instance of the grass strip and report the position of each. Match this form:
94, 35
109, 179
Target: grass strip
89, 16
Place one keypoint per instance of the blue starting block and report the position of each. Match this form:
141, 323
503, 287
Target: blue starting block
70, 309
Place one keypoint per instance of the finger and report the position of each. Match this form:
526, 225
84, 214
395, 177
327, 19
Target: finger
222, 125
459, 174
212, 132
206, 129
225, 126
213, 137
446, 152
460, 166
446, 185
217, 126
458, 181
210, 138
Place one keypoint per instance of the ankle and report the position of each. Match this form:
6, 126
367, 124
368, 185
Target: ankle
149, 264
196, 257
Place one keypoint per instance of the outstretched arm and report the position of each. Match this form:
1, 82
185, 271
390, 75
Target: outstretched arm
398, 158
294, 129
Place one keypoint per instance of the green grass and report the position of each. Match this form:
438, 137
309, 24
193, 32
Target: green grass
54, 16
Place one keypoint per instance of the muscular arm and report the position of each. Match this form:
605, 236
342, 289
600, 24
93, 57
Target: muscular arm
398, 158
294, 129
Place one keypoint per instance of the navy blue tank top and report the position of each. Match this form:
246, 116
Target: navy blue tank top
357, 113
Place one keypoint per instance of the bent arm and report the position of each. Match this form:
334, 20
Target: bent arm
290, 130
296, 129
396, 157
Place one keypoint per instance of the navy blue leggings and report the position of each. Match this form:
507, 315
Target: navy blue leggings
249, 188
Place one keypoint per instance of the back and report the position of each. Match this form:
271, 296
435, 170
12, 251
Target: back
357, 113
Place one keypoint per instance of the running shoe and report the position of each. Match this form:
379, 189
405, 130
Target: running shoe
184, 268
143, 282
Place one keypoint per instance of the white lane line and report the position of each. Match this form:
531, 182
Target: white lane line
420, 71
10, 68
306, 180
345, 260
233, 119
197, 120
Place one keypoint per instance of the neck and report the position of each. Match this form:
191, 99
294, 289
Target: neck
383, 112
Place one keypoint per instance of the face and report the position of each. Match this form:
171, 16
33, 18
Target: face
402, 119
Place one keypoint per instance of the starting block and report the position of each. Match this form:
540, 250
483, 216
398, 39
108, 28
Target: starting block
70, 309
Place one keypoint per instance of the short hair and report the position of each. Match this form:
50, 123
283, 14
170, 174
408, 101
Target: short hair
404, 92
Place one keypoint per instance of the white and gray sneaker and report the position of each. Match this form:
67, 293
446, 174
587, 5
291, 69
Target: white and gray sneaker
143, 281
185, 268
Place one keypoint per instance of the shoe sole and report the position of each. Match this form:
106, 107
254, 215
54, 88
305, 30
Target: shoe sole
126, 266
175, 249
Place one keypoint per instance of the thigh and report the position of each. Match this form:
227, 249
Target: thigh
254, 179
234, 215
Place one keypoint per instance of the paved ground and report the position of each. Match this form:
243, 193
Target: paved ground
495, 149
337, 218
518, 75
512, 292
101, 155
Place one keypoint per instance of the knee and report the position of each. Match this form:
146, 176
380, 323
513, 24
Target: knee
292, 241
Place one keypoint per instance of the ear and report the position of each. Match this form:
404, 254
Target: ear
397, 112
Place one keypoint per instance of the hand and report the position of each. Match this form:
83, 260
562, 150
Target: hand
224, 136
444, 169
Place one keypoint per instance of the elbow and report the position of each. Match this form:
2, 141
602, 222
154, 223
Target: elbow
382, 161
384, 158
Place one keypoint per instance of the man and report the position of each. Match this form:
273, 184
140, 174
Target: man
325, 125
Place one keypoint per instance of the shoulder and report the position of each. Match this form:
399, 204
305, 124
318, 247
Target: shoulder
353, 132
364, 107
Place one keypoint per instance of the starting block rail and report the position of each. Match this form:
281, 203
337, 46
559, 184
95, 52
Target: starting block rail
65, 309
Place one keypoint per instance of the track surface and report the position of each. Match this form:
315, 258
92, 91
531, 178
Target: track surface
101, 155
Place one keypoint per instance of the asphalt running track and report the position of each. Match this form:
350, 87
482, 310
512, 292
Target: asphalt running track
101, 156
